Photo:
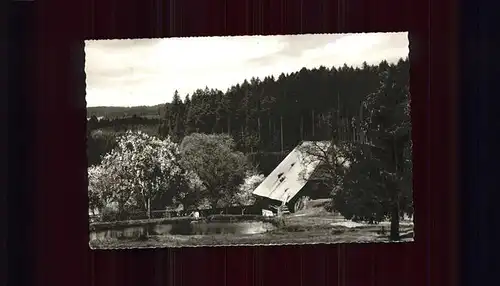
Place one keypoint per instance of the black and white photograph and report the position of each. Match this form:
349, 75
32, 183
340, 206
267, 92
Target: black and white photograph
249, 140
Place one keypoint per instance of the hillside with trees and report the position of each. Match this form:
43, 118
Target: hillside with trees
113, 112
265, 117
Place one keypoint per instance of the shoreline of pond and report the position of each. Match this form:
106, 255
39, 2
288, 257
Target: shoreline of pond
102, 226
320, 235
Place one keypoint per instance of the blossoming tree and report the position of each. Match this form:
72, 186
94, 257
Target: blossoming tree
245, 197
98, 197
138, 170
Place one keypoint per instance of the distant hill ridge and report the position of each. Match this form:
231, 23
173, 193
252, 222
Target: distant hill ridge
122, 111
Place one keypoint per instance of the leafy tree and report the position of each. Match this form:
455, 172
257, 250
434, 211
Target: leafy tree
219, 166
371, 179
378, 184
331, 160
92, 122
189, 190
99, 142
362, 196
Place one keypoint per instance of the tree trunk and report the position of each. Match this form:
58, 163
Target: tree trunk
281, 126
361, 134
270, 127
259, 127
312, 117
301, 127
339, 126
148, 208
243, 138
121, 211
353, 130
214, 204
394, 235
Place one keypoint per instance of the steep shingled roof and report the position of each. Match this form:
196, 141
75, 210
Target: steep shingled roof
291, 175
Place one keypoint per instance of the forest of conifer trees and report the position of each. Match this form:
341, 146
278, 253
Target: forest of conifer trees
266, 117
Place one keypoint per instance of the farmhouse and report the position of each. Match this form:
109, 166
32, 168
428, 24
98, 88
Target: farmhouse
295, 179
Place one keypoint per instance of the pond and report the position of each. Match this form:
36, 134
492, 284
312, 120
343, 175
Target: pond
184, 228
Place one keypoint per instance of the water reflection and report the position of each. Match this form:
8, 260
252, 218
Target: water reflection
185, 228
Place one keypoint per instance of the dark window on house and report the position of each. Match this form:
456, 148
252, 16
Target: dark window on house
282, 179
280, 174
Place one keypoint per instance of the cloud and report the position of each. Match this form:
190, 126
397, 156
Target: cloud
356, 48
295, 46
148, 71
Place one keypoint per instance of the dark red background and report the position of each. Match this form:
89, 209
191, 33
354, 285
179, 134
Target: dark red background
61, 252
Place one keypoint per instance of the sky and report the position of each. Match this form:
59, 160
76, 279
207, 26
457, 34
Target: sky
148, 71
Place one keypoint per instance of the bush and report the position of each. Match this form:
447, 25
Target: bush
280, 222
329, 206
109, 214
